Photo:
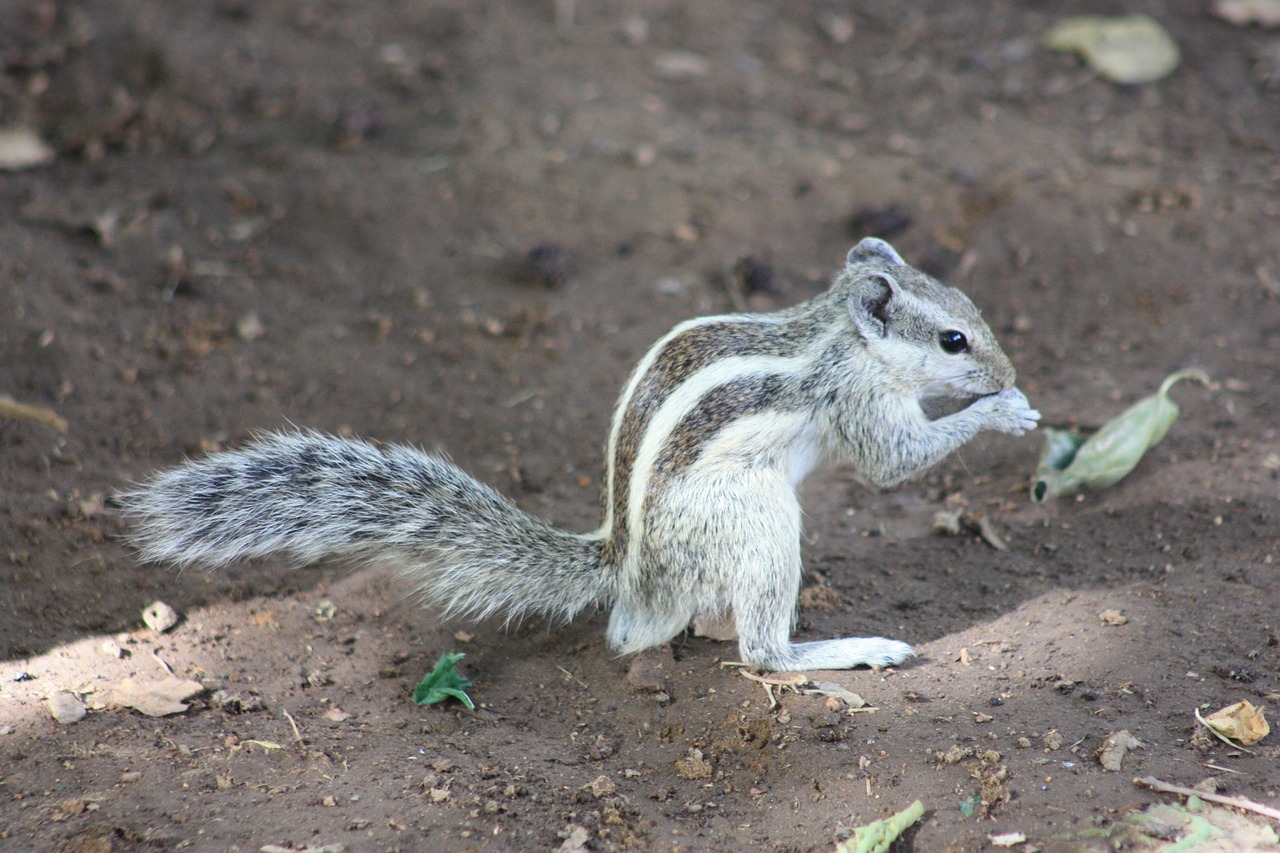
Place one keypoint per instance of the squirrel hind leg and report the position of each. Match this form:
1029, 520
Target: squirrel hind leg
764, 614
634, 627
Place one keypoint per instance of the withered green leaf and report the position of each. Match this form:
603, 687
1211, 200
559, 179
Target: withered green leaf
443, 683
1070, 462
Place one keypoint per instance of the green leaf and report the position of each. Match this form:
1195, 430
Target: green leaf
1071, 463
443, 683
879, 835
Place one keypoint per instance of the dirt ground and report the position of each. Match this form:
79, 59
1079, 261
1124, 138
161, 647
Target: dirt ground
457, 224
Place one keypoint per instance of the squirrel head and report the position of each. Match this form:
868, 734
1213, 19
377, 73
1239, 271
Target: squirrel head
928, 335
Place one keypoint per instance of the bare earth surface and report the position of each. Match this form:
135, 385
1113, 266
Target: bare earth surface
320, 213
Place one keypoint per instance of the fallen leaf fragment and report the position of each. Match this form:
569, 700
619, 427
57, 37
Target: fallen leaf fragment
1007, 839
1242, 722
946, 522
1264, 13
830, 688
156, 697
1111, 753
879, 835
987, 530
66, 707
1070, 463
323, 848
1128, 49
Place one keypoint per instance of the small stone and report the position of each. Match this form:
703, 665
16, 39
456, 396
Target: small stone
21, 148
66, 708
549, 265
159, 616
1112, 617
249, 328
679, 65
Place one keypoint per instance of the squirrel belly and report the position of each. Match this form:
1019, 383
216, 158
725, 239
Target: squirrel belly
467, 549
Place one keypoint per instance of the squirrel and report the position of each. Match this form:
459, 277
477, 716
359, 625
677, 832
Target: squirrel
717, 426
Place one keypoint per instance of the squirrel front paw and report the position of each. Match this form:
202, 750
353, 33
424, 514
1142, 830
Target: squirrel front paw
1007, 411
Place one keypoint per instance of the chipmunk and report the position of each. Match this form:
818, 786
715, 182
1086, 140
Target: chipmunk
718, 424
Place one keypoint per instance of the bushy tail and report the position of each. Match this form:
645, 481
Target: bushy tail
468, 549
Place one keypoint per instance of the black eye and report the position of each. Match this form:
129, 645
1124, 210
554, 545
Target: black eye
953, 342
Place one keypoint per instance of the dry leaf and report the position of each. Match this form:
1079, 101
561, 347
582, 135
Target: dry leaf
1111, 753
1128, 49
158, 698
1242, 722
830, 688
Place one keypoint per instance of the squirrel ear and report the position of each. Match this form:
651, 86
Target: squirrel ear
874, 249
869, 304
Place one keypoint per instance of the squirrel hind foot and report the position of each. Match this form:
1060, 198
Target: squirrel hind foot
845, 653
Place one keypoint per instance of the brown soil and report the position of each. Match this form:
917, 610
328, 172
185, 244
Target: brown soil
320, 212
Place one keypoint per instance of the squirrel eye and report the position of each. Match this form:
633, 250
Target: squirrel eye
953, 342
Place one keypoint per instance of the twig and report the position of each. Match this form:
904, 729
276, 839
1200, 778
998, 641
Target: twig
11, 408
1235, 802
573, 677
1220, 767
297, 735
155, 653
791, 680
